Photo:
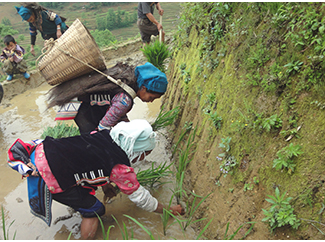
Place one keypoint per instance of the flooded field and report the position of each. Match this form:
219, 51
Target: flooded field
25, 118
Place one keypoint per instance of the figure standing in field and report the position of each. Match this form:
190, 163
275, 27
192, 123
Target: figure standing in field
70, 170
147, 23
39, 18
12, 58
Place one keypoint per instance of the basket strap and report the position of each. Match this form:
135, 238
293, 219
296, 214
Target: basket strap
128, 89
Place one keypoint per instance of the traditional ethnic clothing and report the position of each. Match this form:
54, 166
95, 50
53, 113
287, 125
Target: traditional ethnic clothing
73, 167
45, 21
105, 110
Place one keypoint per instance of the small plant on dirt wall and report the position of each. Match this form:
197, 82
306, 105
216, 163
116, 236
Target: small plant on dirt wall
225, 144
293, 67
185, 73
156, 53
285, 157
248, 187
281, 212
273, 122
228, 165
228, 162
215, 119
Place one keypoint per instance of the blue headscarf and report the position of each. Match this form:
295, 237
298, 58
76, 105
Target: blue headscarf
25, 13
151, 77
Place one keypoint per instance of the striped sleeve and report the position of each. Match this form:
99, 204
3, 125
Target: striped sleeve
120, 106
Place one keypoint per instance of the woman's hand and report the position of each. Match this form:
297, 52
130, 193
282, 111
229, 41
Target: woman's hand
109, 191
177, 210
58, 33
161, 12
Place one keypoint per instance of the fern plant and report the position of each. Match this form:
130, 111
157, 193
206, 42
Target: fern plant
156, 53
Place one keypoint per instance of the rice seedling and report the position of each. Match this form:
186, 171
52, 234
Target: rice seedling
166, 215
190, 211
156, 53
141, 226
124, 231
60, 130
152, 177
179, 187
6, 234
183, 161
184, 154
203, 230
232, 236
69, 236
187, 128
165, 119
105, 234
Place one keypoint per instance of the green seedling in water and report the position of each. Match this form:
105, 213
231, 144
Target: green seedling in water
182, 164
124, 231
141, 226
165, 119
187, 128
105, 234
189, 213
165, 216
6, 234
191, 209
152, 177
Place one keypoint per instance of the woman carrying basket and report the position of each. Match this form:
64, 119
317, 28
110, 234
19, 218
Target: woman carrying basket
104, 103
47, 22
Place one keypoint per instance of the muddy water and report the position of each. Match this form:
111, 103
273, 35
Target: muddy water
26, 118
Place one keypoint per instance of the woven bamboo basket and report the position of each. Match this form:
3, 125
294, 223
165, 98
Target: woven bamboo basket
57, 66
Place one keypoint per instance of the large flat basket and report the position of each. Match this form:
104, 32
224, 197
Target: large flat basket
57, 65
